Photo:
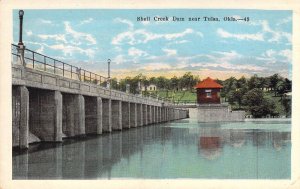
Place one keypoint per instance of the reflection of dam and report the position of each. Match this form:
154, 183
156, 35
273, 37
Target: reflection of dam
97, 156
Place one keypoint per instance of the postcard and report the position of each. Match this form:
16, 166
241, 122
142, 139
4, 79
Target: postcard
144, 95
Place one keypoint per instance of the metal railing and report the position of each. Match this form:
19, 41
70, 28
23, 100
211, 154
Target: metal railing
45, 63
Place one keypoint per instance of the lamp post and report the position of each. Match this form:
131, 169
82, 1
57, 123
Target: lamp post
108, 74
21, 14
21, 47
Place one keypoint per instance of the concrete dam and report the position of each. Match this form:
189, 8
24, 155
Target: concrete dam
50, 106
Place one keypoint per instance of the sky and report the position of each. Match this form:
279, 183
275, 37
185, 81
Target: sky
218, 49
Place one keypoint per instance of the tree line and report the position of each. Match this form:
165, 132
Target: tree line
260, 96
185, 82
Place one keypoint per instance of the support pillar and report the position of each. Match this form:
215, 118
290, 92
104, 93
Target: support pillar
126, 115
116, 106
139, 109
73, 115
93, 115
106, 115
45, 114
133, 115
145, 114
149, 114
20, 116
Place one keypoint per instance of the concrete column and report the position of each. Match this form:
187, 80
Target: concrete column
58, 116
149, 114
45, 114
168, 114
20, 116
126, 115
159, 114
116, 107
162, 114
99, 115
133, 115
145, 114
106, 115
73, 115
93, 115
153, 114
139, 110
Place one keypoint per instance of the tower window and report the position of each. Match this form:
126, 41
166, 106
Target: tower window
208, 94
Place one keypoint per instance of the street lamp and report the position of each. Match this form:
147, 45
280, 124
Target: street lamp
21, 14
108, 73
21, 47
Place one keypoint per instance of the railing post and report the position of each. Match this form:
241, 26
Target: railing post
32, 59
54, 66
63, 69
83, 75
44, 63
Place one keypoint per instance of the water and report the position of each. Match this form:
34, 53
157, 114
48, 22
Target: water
181, 149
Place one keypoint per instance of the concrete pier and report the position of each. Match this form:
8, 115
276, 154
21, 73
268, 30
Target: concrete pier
149, 114
133, 115
145, 115
116, 113
93, 115
126, 115
106, 115
139, 110
20, 116
45, 114
73, 115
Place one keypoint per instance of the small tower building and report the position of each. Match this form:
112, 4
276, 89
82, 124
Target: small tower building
208, 91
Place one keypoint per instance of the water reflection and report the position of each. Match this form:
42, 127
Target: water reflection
181, 149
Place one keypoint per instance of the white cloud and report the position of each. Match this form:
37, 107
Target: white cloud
78, 36
29, 33
179, 42
276, 35
124, 21
142, 36
56, 37
89, 20
170, 52
287, 53
119, 59
284, 21
40, 50
156, 66
271, 56
69, 50
136, 52
270, 53
228, 66
256, 37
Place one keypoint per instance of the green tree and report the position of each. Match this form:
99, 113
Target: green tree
259, 105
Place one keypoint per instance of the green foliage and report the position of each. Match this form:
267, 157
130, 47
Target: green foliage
258, 104
259, 96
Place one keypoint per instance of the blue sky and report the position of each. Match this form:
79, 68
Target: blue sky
87, 38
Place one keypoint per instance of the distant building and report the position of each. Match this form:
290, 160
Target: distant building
208, 92
210, 108
150, 87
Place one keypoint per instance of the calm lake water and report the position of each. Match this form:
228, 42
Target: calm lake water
180, 149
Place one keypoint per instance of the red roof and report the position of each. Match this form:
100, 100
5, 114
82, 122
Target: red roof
208, 83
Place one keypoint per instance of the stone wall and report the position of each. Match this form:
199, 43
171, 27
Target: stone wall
219, 113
